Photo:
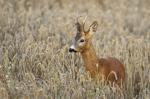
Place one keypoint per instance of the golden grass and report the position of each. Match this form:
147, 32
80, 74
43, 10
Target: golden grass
35, 36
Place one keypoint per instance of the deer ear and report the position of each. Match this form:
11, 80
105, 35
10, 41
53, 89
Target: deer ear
93, 27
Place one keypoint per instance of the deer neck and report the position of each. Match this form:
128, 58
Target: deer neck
90, 58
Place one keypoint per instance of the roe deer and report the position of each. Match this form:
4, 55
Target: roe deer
111, 69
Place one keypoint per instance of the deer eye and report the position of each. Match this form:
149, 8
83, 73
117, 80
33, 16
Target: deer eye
82, 40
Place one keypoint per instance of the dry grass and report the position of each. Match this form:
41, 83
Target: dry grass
34, 40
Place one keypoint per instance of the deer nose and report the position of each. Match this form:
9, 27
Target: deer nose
72, 50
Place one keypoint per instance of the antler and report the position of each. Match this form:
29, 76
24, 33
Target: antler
80, 27
84, 24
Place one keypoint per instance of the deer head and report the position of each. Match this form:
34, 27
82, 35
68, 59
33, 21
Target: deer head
82, 40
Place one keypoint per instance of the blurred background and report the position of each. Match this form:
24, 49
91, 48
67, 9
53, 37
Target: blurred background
35, 36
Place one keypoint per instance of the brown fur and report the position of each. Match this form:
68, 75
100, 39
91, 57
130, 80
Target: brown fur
110, 69
103, 67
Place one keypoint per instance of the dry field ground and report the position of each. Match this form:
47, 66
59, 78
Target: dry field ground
35, 36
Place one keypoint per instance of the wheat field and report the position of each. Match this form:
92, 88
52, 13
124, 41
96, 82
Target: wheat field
35, 36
